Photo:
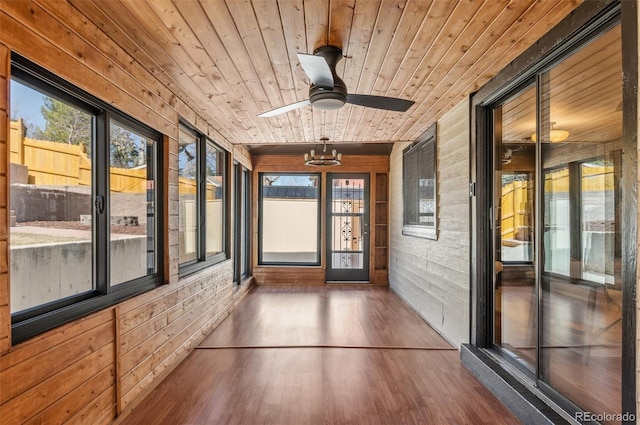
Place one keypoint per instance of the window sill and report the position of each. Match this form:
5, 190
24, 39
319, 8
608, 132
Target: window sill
420, 232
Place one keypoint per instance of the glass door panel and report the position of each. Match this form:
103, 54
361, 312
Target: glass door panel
514, 200
581, 333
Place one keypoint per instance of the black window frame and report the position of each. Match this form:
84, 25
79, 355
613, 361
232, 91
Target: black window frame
41, 318
422, 152
241, 222
261, 262
203, 260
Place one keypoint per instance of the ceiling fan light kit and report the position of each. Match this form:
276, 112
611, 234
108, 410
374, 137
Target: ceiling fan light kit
328, 92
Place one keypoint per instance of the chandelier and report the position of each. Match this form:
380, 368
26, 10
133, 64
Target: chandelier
323, 159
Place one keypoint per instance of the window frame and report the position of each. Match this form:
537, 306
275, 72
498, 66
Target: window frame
203, 260
426, 145
241, 221
245, 270
46, 316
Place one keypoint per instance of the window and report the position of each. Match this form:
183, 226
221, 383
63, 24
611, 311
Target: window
289, 219
242, 214
203, 194
419, 187
84, 231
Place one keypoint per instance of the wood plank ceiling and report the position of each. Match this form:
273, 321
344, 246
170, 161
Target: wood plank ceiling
231, 60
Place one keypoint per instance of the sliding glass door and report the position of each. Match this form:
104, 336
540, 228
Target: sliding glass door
557, 228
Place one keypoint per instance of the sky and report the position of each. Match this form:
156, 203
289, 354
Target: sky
26, 104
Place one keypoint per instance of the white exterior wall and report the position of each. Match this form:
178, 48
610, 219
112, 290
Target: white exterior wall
290, 225
433, 275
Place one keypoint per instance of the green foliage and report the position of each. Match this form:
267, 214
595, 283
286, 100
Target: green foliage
64, 124
67, 124
126, 148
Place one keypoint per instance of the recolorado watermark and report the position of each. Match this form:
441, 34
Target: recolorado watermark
604, 417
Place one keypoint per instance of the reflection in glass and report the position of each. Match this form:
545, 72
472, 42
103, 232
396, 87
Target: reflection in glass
245, 229
514, 200
50, 238
215, 194
132, 207
581, 284
557, 219
187, 190
289, 218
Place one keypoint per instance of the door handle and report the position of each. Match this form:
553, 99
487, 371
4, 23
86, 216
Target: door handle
99, 204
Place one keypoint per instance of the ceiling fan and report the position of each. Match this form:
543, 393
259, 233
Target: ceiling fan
328, 91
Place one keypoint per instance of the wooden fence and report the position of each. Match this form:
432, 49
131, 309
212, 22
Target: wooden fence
516, 206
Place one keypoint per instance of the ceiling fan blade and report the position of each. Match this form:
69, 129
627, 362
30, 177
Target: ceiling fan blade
286, 108
380, 102
317, 70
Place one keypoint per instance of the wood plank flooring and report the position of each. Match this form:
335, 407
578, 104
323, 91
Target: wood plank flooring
321, 355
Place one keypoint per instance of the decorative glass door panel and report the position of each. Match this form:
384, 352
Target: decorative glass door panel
348, 227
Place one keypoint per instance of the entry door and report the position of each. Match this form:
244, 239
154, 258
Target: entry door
348, 227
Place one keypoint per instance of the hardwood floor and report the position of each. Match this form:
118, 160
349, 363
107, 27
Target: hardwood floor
321, 355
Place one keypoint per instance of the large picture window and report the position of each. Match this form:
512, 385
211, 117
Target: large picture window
289, 219
84, 223
419, 187
203, 201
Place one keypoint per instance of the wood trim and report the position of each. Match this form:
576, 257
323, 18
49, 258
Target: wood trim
273, 275
5, 289
295, 163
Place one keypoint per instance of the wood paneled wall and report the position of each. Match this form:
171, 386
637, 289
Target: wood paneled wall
433, 275
93, 368
158, 329
65, 376
370, 164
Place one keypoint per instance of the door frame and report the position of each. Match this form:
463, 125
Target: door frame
349, 275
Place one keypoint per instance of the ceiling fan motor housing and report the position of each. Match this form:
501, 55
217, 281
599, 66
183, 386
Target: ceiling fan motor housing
328, 98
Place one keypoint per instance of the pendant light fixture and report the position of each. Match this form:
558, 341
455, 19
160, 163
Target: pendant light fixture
312, 158
555, 136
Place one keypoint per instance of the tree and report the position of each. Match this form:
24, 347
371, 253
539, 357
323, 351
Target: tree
126, 148
186, 161
65, 124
